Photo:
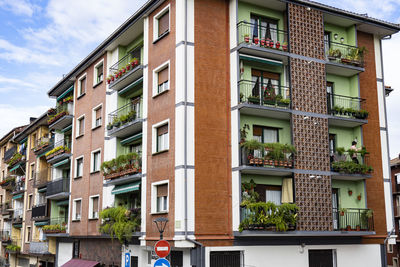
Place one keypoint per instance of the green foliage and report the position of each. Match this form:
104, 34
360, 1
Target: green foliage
130, 160
14, 248
248, 192
54, 227
15, 158
119, 222
252, 145
266, 214
123, 119
351, 167
54, 150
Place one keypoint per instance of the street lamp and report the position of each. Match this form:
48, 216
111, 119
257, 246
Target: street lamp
161, 223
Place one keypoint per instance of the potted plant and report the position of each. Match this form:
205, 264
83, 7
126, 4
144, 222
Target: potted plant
246, 38
346, 60
262, 42
277, 44
128, 67
359, 197
255, 40
285, 46
350, 192
109, 126
342, 211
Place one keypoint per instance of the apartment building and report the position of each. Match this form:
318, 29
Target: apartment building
393, 249
256, 128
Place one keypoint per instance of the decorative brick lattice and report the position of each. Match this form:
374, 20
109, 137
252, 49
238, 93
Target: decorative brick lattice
306, 31
314, 198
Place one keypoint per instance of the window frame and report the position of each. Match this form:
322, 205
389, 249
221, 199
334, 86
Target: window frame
155, 136
32, 168
92, 160
74, 201
154, 198
79, 88
76, 167
29, 202
156, 18
94, 120
28, 234
78, 126
156, 70
95, 73
90, 209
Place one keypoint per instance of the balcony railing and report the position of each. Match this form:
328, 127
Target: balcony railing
345, 54
5, 236
57, 113
41, 178
264, 94
346, 162
9, 153
60, 147
17, 216
126, 65
124, 115
5, 208
45, 142
347, 106
19, 186
57, 186
36, 247
56, 225
262, 36
352, 219
268, 156
39, 211
123, 165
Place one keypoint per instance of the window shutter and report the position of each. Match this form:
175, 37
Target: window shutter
95, 204
98, 113
257, 131
163, 76
162, 130
163, 23
83, 85
162, 190
78, 207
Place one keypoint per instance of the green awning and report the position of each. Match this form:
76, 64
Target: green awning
66, 129
65, 93
125, 188
62, 203
261, 60
130, 86
23, 140
15, 167
18, 196
131, 139
42, 190
41, 223
65, 161
17, 225
44, 153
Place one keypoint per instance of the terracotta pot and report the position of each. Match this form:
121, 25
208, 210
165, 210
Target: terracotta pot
247, 39
255, 40
277, 45
262, 42
284, 47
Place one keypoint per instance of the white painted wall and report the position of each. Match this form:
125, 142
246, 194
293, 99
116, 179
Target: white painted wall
232, 23
64, 253
264, 256
236, 189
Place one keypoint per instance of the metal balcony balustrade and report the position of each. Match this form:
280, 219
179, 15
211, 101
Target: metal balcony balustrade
64, 146
5, 235
358, 159
9, 153
353, 219
59, 220
124, 61
57, 186
267, 158
39, 247
340, 105
39, 211
254, 34
17, 215
19, 186
345, 54
126, 113
251, 92
43, 142
41, 178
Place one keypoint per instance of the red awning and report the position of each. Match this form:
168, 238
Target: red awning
80, 263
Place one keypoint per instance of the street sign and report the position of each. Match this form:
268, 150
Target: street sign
162, 263
162, 248
127, 259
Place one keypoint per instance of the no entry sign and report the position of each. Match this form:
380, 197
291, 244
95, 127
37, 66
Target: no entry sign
162, 248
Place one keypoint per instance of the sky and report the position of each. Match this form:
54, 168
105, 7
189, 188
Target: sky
40, 40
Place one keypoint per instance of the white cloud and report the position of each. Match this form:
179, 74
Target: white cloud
19, 7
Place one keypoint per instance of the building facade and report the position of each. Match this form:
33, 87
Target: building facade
257, 128
393, 250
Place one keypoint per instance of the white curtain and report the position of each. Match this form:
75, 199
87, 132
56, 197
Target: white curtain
274, 196
287, 190
270, 136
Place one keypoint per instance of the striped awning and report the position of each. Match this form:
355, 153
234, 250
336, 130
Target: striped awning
65, 161
261, 60
65, 93
16, 167
41, 223
125, 188
130, 86
131, 139
41, 190
17, 225
18, 196
62, 203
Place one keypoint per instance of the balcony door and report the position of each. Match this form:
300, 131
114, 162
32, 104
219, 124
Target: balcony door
264, 28
327, 41
135, 102
329, 91
266, 84
335, 208
264, 135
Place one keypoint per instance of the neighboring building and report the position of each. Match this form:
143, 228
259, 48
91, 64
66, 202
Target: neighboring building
241, 122
393, 250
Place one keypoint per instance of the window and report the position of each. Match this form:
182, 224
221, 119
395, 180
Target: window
264, 28
226, 258
32, 171
96, 159
76, 209
94, 207
98, 73
30, 198
327, 41
322, 257
389, 248
82, 85
33, 141
80, 129
2, 175
79, 167
28, 234
332, 144
97, 116
264, 135
267, 85
159, 196
162, 138
395, 262
397, 177
75, 253
161, 23
273, 194
161, 79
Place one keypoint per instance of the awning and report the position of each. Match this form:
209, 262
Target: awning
17, 225
261, 60
15, 167
23, 140
18, 196
131, 139
80, 263
66, 129
43, 154
65, 161
41, 223
130, 86
65, 93
125, 188
42, 190
62, 203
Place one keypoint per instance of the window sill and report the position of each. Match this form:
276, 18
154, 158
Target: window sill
93, 219
96, 127
159, 212
161, 36
163, 92
77, 177
94, 172
76, 220
97, 84
160, 152
79, 136
82, 95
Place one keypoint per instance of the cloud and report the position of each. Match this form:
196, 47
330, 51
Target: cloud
19, 7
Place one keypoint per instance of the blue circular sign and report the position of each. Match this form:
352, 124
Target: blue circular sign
162, 263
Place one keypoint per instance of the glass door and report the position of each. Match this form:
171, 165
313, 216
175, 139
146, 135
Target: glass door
335, 208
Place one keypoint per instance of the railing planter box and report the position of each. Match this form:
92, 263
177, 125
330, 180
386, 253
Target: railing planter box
56, 117
58, 152
122, 173
121, 166
54, 229
122, 71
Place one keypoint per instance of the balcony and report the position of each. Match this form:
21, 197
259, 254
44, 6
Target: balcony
262, 41
57, 225
347, 111
126, 71
8, 183
264, 99
343, 59
122, 169
5, 237
9, 153
61, 151
43, 144
267, 159
61, 116
39, 248
351, 219
17, 216
348, 165
126, 120
17, 160
15, 246
19, 186
41, 178
58, 189
6, 208
39, 212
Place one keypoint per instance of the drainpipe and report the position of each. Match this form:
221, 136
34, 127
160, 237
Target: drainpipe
202, 261
384, 245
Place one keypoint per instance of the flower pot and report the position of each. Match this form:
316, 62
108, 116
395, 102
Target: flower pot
255, 40
271, 44
277, 45
345, 60
342, 213
247, 39
108, 81
276, 163
348, 228
123, 70
350, 193
358, 228
109, 127
128, 67
284, 47
136, 62
262, 42
359, 198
